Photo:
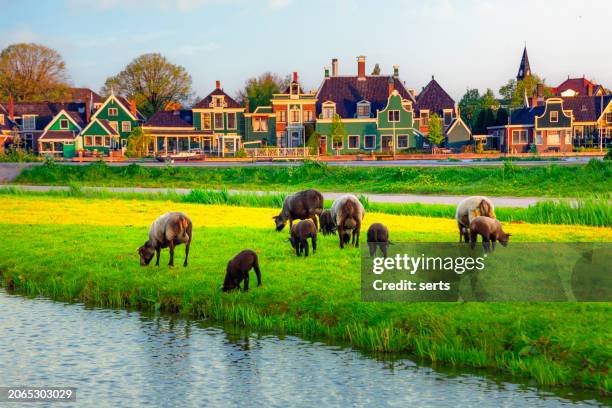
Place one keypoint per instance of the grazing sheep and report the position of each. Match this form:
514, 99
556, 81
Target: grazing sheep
470, 208
238, 270
300, 206
378, 236
327, 224
490, 229
346, 216
300, 233
168, 231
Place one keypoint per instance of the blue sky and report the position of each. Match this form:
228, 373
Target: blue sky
475, 43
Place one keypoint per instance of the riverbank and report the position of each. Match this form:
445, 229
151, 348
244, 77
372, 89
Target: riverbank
85, 250
507, 180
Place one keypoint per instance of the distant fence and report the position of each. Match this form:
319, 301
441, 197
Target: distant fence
272, 152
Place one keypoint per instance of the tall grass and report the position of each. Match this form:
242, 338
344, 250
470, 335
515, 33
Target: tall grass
551, 180
594, 211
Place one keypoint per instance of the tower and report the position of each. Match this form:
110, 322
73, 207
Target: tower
524, 68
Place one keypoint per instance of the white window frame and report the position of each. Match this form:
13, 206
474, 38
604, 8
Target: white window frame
567, 136
539, 137
235, 120
112, 112
62, 127
608, 117
281, 116
407, 105
364, 104
424, 114
444, 112
299, 116
578, 132
556, 133
261, 123
520, 132
123, 126
349, 142
407, 141
393, 111
339, 146
218, 101
365, 144
556, 117
115, 125
327, 108
210, 121
214, 118
107, 141
308, 115
30, 120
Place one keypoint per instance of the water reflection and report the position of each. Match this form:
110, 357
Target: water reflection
120, 358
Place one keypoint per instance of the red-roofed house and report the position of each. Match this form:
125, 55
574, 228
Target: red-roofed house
578, 87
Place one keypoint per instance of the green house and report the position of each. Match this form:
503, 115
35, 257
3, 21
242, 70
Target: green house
60, 136
260, 127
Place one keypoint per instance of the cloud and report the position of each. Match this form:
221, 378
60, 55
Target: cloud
22, 34
278, 4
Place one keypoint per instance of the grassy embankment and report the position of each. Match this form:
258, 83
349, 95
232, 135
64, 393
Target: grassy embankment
79, 249
512, 180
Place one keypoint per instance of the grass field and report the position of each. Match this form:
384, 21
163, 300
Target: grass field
80, 249
512, 180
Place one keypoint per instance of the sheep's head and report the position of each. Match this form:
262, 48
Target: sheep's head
505, 238
280, 222
328, 226
146, 253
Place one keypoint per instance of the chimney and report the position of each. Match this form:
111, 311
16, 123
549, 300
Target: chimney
326, 69
295, 76
396, 71
361, 68
133, 106
534, 100
246, 105
335, 67
88, 108
391, 86
218, 84
590, 90
11, 111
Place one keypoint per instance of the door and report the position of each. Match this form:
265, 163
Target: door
386, 143
296, 138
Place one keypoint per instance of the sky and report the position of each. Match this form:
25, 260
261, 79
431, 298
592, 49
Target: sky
464, 43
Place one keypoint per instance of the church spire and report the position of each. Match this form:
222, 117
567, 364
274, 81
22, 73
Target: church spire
524, 68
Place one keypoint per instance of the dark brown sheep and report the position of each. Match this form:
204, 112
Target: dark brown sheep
327, 223
300, 206
238, 270
300, 233
167, 231
491, 231
378, 236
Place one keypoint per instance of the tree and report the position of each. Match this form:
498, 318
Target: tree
32, 72
514, 91
259, 91
486, 118
337, 131
469, 105
435, 135
152, 81
376, 70
502, 117
488, 100
139, 142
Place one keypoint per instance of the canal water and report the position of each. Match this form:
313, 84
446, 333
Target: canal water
123, 358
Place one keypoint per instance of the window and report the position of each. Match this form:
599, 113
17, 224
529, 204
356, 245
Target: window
448, 117
363, 109
98, 140
113, 112
260, 124
402, 141
329, 110
338, 144
63, 123
231, 120
539, 139
369, 142
520, 137
554, 116
29, 122
114, 125
107, 141
294, 115
579, 132
407, 105
424, 118
553, 138
568, 137
126, 126
393, 116
206, 122
218, 101
88, 141
281, 116
353, 142
295, 89
308, 116
609, 117
218, 121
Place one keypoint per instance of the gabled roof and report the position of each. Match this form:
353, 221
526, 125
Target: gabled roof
8, 123
104, 124
84, 95
176, 118
66, 135
579, 85
123, 102
434, 98
526, 116
457, 122
46, 111
229, 101
347, 91
586, 108
263, 110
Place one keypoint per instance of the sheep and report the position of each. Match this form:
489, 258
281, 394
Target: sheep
378, 236
238, 270
300, 233
470, 208
346, 216
167, 231
490, 229
327, 224
300, 206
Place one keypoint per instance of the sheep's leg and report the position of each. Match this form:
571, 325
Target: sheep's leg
246, 281
493, 243
461, 235
485, 243
358, 229
171, 246
257, 272
372, 247
473, 239
305, 247
187, 245
314, 219
314, 244
157, 252
341, 236
383, 247
297, 248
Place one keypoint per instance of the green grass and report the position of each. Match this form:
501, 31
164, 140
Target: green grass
551, 180
553, 344
589, 211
